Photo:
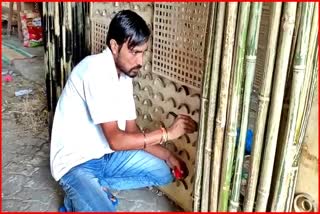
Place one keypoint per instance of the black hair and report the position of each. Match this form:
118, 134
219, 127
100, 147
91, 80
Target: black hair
127, 25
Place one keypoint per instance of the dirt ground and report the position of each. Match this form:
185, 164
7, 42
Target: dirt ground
25, 147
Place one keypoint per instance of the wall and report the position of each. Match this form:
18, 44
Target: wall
308, 168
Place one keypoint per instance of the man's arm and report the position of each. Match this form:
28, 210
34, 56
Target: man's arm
159, 151
156, 150
124, 140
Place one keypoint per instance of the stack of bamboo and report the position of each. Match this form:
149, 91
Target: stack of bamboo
289, 71
66, 42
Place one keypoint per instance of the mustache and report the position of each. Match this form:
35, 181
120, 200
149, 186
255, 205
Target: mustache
136, 67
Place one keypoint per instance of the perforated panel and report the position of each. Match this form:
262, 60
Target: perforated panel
179, 41
99, 36
156, 98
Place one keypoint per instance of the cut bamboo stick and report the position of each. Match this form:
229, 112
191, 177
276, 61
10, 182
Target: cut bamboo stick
236, 87
250, 65
308, 74
286, 99
296, 158
204, 204
207, 178
299, 69
264, 98
203, 118
287, 27
229, 35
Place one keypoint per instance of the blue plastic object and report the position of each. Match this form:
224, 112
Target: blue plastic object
249, 139
62, 209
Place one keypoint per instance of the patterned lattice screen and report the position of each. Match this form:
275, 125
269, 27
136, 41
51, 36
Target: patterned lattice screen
179, 41
99, 35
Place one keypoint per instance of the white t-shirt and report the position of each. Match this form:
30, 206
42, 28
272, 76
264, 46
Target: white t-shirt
93, 94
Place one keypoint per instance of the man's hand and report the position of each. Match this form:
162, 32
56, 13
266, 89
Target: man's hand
175, 162
182, 124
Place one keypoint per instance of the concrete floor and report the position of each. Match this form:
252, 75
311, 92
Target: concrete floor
27, 184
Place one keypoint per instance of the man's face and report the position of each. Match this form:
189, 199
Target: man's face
129, 61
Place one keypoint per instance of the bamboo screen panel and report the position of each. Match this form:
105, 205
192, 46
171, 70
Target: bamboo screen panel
99, 36
179, 41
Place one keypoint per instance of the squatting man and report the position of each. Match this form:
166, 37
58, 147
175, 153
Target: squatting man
96, 145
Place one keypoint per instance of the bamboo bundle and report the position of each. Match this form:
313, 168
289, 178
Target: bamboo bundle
264, 98
287, 26
299, 66
228, 44
61, 44
286, 98
250, 64
304, 104
233, 113
204, 114
204, 181
295, 167
219, 20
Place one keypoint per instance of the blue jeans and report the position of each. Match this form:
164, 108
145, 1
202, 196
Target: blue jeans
87, 185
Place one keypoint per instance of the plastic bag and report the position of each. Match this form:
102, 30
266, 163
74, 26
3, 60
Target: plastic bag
31, 29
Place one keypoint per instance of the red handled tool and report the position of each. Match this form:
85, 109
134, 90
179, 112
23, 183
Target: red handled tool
177, 173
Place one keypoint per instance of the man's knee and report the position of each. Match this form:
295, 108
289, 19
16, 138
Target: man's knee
162, 173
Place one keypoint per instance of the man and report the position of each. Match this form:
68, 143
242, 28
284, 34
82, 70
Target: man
96, 145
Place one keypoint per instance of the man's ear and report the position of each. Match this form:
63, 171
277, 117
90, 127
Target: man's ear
114, 46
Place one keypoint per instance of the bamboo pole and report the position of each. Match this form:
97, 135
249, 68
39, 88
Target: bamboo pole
204, 204
307, 86
286, 98
299, 66
295, 167
226, 63
287, 27
264, 98
207, 178
250, 65
203, 117
233, 113
305, 103
69, 38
